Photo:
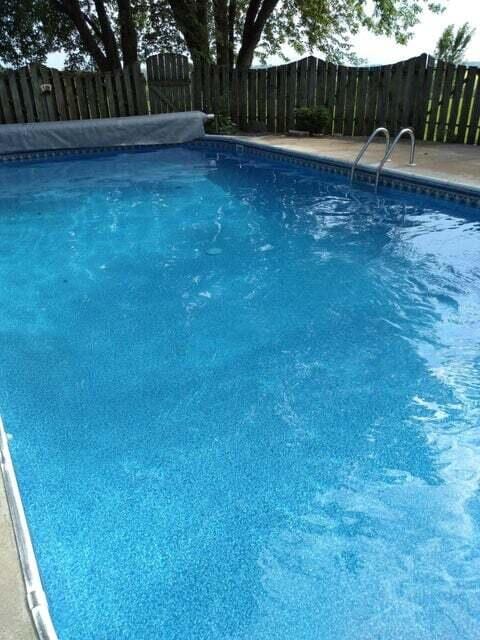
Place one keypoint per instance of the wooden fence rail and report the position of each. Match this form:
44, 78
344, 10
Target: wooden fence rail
441, 101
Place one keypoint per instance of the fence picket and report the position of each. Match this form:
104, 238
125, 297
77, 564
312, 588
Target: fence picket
38, 98
59, 95
395, 96
234, 94
91, 97
383, 96
129, 92
340, 99
466, 103
79, 83
458, 88
361, 103
422, 116
70, 98
8, 114
331, 91
435, 100
311, 80
475, 116
302, 71
271, 98
17, 105
26, 94
243, 99
445, 105
373, 82
196, 85
321, 83
350, 98
119, 93
49, 102
100, 95
110, 95
262, 95
281, 98
252, 95
423, 79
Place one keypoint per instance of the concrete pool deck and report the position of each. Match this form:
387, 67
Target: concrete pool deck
451, 162
15, 620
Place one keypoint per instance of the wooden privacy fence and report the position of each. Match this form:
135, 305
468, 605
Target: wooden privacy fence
169, 81
37, 93
441, 101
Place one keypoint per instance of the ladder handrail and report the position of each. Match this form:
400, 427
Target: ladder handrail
389, 152
367, 144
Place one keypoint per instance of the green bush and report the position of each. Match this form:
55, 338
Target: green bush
222, 123
312, 119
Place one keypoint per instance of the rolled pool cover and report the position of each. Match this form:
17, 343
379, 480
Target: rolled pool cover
165, 128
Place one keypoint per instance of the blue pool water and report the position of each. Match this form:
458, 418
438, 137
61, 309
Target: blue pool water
244, 400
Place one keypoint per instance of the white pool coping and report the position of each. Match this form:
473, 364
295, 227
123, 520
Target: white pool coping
36, 598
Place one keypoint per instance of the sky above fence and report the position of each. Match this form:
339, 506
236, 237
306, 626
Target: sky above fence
381, 50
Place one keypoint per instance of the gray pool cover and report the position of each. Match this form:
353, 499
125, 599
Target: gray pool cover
165, 128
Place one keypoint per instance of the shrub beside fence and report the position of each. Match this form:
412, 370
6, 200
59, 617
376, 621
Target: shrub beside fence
441, 101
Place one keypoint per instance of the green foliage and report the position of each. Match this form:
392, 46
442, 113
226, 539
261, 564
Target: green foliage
30, 29
312, 119
326, 26
222, 123
452, 46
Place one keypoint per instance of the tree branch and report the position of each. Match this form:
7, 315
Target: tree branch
187, 15
107, 35
71, 9
258, 13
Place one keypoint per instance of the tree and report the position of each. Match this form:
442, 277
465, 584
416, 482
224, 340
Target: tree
452, 46
109, 33
245, 28
98, 33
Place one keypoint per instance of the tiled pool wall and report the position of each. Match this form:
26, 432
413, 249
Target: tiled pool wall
454, 192
445, 190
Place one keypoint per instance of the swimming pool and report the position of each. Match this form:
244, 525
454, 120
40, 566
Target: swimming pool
243, 398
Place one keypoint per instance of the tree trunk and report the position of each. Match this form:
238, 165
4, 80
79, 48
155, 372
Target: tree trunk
128, 32
221, 18
258, 12
232, 16
107, 35
192, 20
71, 8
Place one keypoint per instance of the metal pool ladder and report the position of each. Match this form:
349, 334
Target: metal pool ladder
389, 152
367, 144
389, 148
